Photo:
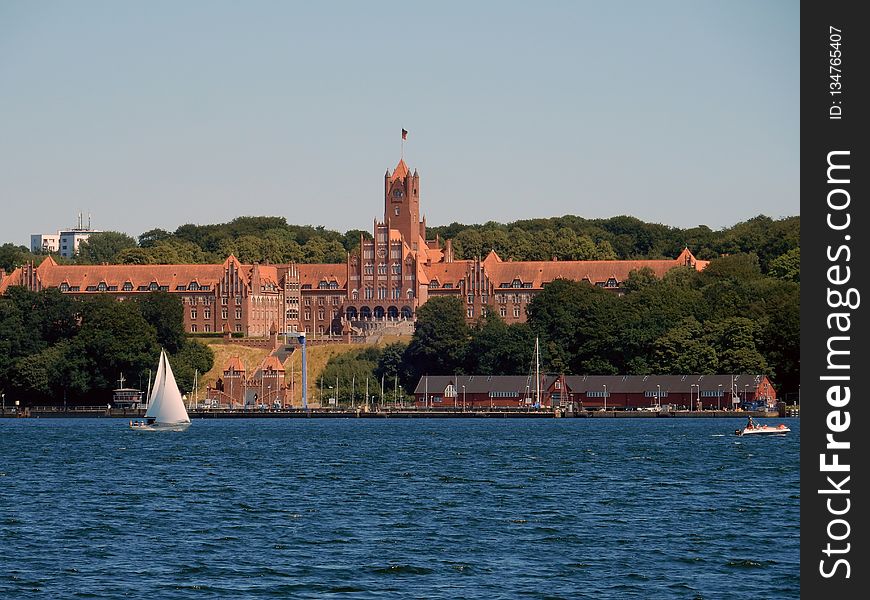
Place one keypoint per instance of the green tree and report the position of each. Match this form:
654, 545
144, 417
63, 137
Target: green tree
12, 257
102, 247
351, 370
114, 338
496, 348
193, 356
684, 350
165, 313
787, 266
574, 320
440, 340
134, 256
152, 236
735, 341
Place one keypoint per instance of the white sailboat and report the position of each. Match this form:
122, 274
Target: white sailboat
166, 410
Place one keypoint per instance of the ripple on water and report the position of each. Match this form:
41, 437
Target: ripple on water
369, 508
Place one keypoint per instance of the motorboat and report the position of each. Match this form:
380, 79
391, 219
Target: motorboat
763, 430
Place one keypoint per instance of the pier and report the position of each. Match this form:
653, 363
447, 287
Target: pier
36, 412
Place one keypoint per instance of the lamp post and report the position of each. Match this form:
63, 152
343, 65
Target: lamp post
659, 395
719, 398
605, 396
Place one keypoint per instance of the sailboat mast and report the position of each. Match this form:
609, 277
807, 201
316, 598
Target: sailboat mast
537, 374
148, 393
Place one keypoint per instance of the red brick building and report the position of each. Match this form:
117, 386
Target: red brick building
384, 281
593, 392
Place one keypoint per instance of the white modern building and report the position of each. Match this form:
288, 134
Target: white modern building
65, 242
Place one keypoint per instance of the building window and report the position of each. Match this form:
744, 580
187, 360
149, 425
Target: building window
320, 301
193, 328
369, 293
238, 327
224, 314
206, 313
321, 314
101, 287
516, 311
238, 313
206, 328
128, 287
396, 269
502, 311
307, 315
64, 287
193, 314
470, 311
223, 301
354, 295
470, 298
382, 269
397, 211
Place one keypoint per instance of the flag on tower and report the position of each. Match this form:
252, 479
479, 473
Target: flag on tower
404, 134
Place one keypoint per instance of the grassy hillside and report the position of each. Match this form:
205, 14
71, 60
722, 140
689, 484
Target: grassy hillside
318, 356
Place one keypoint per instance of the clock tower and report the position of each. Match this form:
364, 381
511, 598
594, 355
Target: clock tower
402, 204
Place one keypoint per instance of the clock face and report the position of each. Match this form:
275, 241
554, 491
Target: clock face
398, 193
382, 252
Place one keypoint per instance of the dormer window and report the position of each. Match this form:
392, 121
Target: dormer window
101, 287
128, 287
516, 283
64, 287
153, 287
193, 286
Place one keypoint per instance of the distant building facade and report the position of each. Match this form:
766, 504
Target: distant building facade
65, 242
385, 280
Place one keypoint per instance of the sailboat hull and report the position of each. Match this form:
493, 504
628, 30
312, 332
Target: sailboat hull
140, 426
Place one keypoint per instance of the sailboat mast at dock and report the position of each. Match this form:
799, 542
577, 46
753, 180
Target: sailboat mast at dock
537, 374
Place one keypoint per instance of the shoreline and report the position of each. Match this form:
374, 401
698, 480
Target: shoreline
318, 413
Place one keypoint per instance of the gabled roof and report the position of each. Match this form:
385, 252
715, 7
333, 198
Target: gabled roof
234, 363
400, 172
271, 363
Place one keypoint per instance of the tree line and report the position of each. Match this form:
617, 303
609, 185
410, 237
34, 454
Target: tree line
260, 239
729, 318
58, 349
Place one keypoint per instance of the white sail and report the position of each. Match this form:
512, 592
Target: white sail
166, 406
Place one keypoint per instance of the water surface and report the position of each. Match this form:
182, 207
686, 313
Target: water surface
502, 508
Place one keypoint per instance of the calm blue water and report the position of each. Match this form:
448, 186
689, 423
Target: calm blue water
564, 508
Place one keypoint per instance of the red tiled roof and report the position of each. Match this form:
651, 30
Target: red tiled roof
401, 171
271, 362
313, 274
168, 275
235, 363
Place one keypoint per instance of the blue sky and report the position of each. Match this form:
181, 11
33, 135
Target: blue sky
155, 114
